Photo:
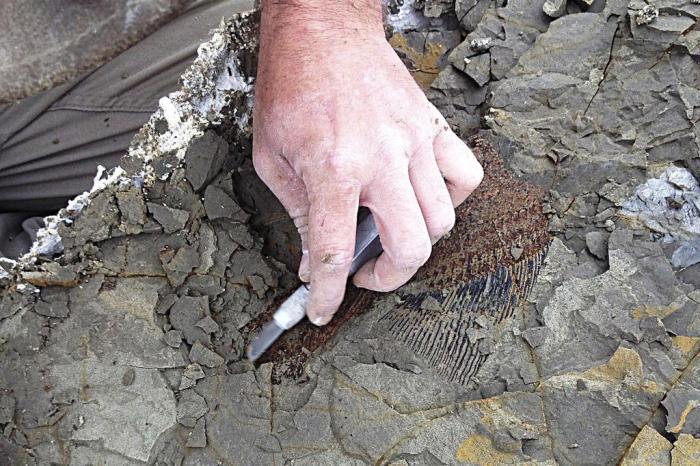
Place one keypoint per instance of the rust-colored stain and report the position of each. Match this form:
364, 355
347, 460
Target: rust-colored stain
479, 449
501, 214
424, 64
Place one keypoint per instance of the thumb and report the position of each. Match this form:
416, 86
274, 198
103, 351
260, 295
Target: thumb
276, 172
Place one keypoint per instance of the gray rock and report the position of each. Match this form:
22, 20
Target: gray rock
240, 428
219, 204
208, 324
597, 244
554, 8
190, 407
7, 408
53, 302
197, 438
477, 67
172, 220
684, 321
437, 8
194, 372
132, 209
190, 375
204, 356
683, 407
179, 264
186, 313
687, 254
470, 12
173, 338
666, 205
125, 430
536, 336
592, 50
128, 377
204, 159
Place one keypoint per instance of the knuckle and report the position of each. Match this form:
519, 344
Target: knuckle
391, 146
422, 147
338, 163
334, 257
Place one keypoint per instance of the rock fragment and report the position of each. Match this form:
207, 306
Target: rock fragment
190, 407
437, 8
219, 204
686, 451
7, 408
132, 209
431, 304
554, 8
53, 274
208, 324
125, 419
683, 407
128, 377
179, 264
173, 338
597, 244
687, 254
204, 356
470, 12
478, 67
535, 336
186, 313
190, 375
650, 447
172, 220
646, 15
204, 159
197, 438
53, 302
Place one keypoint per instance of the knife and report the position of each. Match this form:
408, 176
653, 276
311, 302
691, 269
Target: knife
293, 309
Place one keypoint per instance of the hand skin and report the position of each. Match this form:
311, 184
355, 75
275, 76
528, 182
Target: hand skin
340, 123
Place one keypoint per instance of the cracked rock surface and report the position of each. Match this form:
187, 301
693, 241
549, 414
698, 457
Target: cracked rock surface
122, 335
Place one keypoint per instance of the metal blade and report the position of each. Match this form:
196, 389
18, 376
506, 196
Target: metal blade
367, 246
267, 336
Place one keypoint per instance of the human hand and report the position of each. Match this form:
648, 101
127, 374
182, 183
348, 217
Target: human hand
340, 123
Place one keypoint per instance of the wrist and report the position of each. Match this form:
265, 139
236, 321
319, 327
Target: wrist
315, 19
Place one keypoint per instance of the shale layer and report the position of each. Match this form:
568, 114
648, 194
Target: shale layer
122, 333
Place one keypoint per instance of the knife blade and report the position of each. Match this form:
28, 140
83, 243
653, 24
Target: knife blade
293, 309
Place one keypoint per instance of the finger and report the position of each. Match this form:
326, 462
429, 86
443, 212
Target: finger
332, 223
402, 231
458, 166
288, 187
432, 194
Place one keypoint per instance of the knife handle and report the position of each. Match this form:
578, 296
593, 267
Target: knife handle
367, 246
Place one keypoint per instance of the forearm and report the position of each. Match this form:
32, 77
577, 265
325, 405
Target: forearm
310, 19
